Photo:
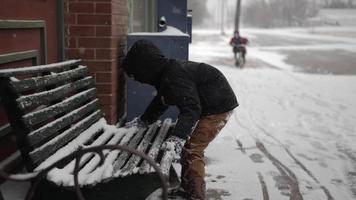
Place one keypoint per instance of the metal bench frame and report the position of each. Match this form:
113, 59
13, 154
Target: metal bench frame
50, 106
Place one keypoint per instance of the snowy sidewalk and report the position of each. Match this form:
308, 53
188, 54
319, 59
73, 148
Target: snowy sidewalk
293, 136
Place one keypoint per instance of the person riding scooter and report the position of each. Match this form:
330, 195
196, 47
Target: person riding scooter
238, 44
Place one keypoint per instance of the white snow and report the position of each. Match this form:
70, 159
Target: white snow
306, 121
170, 31
91, 173
341, 16
37, 68
73, 145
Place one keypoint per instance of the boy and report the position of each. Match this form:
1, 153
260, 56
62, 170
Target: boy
238, 44
203, 96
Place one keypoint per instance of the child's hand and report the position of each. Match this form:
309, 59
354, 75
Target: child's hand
173, 143
136, 122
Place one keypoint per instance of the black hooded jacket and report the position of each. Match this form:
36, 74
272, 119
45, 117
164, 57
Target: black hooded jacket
197, 89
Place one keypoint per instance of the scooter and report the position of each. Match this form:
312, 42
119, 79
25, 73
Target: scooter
239, 60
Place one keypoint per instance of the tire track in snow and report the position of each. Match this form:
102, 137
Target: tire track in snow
351, 176
299, 163
264, 186
306, 170
282, 168
241, 147
291, 178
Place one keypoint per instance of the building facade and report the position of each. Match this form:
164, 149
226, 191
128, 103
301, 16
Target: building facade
35, 32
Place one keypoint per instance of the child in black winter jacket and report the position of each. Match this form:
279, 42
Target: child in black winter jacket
203, 96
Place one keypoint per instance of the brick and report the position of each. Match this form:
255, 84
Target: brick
72, 53
121, 3
105, 53
106, 99
104, 88
119, 7
81, 31
96, 0
119, 19
81, 53
118, 31
81, 7
71, 42
107, 111
112, 119
66, 6
103, 7
99, 66
70, 19
94, 42
103, 77
114, 84
103, 30
94, 19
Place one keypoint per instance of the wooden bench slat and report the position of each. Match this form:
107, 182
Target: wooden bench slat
153, 153
64, 106
51, 95
40, 82
41, 153
75, 144
66, 174
110, 156
101, 140
38, 69
166, 161
41, 134
134, 160
121, 160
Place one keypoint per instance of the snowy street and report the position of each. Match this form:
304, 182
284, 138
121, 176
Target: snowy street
293, 135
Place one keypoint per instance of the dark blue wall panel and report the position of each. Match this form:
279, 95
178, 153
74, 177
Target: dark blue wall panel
175, 12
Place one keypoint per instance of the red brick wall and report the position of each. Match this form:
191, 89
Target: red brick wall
96, 32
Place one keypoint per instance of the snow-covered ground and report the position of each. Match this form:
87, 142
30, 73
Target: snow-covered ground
294, 134
339, 16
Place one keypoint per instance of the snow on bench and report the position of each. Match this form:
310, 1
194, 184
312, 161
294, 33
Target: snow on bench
54, 112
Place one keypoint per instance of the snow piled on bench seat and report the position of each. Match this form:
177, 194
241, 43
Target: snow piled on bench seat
73, 145
5, 72
91, 173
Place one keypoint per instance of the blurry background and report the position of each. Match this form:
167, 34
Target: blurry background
272, 13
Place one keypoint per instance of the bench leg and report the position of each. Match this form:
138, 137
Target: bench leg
174, 180
1, 197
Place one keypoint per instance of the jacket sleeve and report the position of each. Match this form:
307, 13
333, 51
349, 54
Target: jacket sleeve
154, 110
183, 93
244, 40
232, 42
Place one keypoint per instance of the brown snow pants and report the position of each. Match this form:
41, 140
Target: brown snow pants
192, 160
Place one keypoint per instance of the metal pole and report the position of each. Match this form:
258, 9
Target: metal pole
222, 23
237, 15
60, 26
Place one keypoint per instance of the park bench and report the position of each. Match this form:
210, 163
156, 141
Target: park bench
61, 134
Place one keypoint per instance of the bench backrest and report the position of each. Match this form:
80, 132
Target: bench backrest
48, 106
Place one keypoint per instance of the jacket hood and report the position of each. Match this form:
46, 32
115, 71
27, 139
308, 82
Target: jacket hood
144, 62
